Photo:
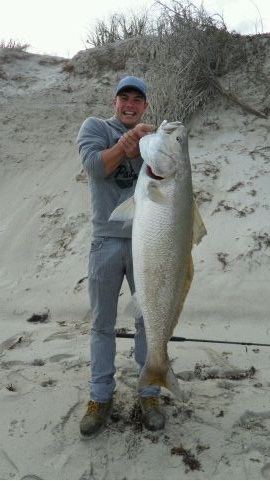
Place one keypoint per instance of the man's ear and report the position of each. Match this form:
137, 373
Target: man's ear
145, 105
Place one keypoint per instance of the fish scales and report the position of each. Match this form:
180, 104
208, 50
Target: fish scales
162, 238
161, 249
161, 244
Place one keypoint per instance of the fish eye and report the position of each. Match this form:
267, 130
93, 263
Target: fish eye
179, 139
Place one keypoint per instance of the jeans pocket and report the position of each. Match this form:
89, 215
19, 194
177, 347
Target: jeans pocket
96, 244
97, 258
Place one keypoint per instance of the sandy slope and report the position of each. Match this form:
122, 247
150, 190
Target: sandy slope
222, 432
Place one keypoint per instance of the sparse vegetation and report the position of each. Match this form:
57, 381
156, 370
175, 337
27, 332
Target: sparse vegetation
191, 50
254, 254
120, 27
186, 50
222, 257
189, 459
14, 45
261, 240
202, 196
236, 186
10, 387
67, 67
224, 206
3, 74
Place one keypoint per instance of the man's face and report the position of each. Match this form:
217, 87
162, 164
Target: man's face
129, 107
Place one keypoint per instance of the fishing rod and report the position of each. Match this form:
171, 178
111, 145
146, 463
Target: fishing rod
186, 339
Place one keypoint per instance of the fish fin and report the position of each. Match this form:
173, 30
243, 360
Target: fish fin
124, 211
133, 308
188, 280
155, 195
173, 385
160, 376
127, 223
185, 289
199, 230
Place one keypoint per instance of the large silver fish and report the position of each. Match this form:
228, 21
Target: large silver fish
165, 225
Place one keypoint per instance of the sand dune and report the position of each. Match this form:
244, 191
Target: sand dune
222, 431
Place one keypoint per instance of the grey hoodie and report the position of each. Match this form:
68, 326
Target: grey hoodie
106, 192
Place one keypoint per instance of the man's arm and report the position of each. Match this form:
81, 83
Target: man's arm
113, 157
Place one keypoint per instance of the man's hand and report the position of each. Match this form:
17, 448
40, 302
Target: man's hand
130, 143
143, 129
130, 140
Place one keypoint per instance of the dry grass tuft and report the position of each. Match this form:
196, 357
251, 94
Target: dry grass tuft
14, 45
188, 54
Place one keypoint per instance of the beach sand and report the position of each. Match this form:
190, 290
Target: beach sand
222, 430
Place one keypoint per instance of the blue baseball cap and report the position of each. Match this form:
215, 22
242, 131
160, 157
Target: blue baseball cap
131, 82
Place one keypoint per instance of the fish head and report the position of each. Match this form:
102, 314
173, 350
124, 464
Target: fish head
162, 150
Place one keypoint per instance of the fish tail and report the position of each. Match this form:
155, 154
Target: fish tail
160, 376
173, 385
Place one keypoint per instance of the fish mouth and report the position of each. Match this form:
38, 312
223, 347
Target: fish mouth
169, 127
151, 174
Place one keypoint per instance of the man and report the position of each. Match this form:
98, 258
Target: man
109, 150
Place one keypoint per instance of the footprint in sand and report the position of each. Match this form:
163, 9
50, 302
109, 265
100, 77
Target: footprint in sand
59, 335
8, 468
65, 427
266, 471
253, 421
31, 476
60, 357
17, 383
22, 339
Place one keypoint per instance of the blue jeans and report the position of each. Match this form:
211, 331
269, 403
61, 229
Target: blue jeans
110, 260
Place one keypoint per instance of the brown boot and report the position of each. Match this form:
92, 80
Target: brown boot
95, 417
152, 416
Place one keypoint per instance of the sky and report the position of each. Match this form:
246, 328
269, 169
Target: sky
60, 27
